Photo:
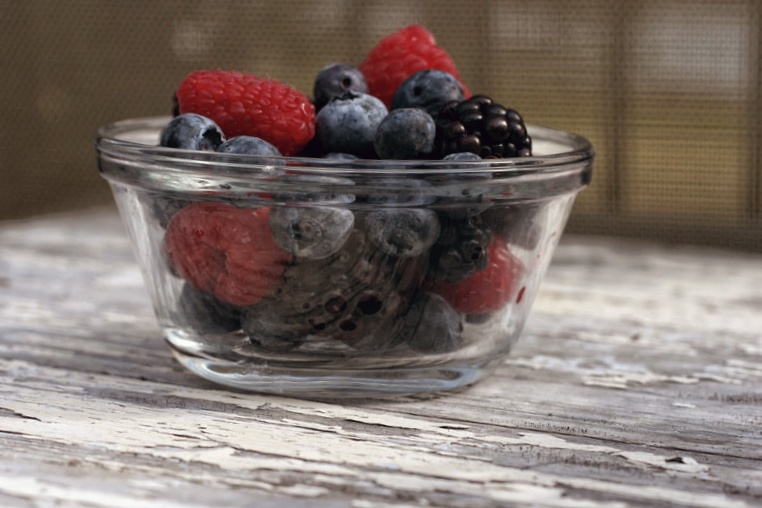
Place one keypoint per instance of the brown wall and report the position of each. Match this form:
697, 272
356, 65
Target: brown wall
668, 91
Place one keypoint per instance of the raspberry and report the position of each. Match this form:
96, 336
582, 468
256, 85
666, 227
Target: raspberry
247, 105
400, 55
225, 251
486, 290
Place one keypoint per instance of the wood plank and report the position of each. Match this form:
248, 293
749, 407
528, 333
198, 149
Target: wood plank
638, 382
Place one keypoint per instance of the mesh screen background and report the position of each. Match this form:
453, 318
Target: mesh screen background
668, 91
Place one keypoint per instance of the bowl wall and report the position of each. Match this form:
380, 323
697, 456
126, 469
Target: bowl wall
322, 278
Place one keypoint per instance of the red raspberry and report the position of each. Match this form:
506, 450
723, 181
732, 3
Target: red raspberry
225, 251
400, 55
244, 104
489, 289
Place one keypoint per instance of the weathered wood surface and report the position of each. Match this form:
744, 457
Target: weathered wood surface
638, 382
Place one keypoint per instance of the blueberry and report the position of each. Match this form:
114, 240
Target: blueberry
348, 124
192, 132
313, 232
431, 325
404, 232
336, 79
429, 90
461, 157
405, 134
204, 313
464, 193
249, 145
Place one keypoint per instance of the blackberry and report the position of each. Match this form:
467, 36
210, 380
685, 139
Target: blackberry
461, 248
483, 127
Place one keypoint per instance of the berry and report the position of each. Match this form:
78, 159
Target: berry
406, 133
247, 105
431, 325
249, 145
461, 248
268, 328
486, 290
461, 157
348, 124
204, 313
402, 232
225, 251
311, 232
400, 55
429, 90
483, 127
163, 207
336, 79
520, 225
463, 194
354, 296
192, 132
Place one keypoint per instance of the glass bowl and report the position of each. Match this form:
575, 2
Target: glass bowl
326, 278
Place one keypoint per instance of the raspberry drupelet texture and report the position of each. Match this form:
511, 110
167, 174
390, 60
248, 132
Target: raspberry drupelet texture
244, 104
225, 251
400, 55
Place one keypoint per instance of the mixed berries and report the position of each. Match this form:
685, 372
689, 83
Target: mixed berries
375, 271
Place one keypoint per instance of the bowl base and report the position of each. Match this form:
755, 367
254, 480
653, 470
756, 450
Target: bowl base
310, 383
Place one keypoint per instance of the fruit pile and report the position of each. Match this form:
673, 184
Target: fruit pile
390, 274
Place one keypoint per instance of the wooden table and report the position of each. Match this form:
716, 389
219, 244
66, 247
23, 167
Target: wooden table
637, 382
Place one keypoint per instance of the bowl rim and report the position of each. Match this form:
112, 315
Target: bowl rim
111, 140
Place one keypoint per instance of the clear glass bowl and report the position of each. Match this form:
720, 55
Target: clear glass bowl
332, 278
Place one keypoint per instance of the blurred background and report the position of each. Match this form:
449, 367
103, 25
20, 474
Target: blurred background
668, 91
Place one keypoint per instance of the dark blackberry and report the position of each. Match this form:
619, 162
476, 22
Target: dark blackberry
483, 127
461, 248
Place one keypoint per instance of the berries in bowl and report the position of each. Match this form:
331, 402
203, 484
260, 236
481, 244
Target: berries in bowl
387, 236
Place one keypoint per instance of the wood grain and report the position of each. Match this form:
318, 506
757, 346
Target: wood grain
637, 382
